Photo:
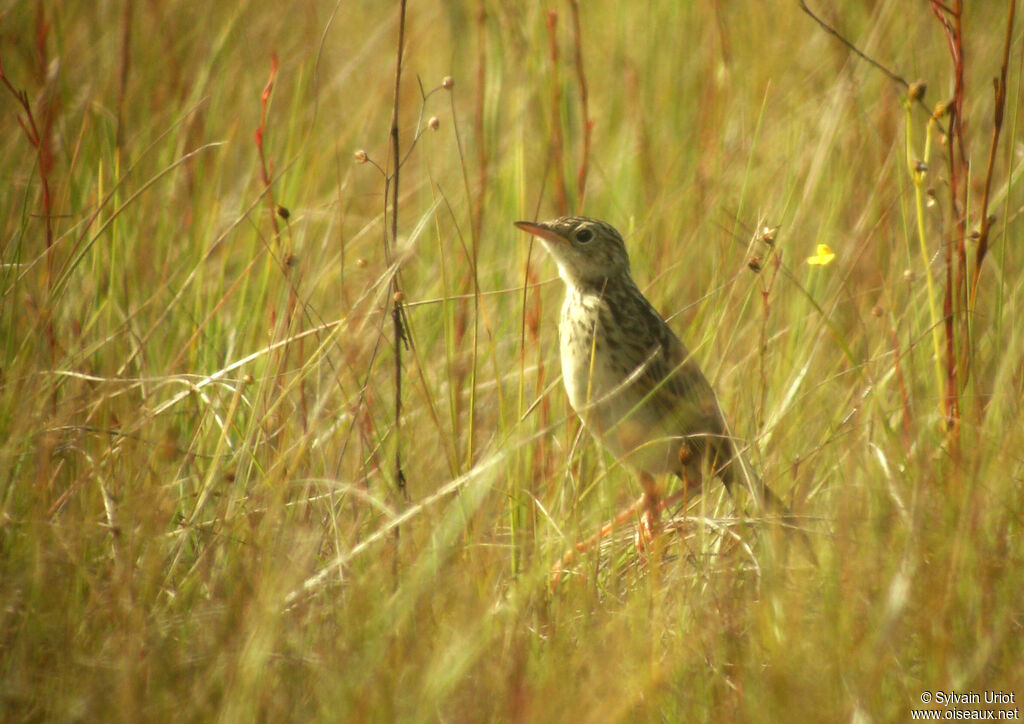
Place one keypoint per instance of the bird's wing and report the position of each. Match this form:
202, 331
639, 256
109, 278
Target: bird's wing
671, 381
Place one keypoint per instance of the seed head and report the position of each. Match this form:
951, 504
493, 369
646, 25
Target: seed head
767, 234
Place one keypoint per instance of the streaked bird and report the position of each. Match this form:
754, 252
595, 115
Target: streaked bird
628, 376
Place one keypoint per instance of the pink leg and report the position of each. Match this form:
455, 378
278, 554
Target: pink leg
650, 519
649, 505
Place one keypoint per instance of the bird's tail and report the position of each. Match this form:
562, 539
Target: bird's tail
739, 471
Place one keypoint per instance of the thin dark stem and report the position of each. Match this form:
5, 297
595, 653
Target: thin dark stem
397, 313
986, 220
892, 75
857, 51
997, 127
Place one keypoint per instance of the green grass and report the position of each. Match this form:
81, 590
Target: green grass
200, 517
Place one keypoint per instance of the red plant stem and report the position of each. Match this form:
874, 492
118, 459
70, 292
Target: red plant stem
955, 294
557, 142
42, 144
986, 220
588, 125
39, 142
267, 171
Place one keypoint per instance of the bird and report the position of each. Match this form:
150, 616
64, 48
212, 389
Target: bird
631, 380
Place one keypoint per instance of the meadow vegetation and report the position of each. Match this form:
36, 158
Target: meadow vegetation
282, 432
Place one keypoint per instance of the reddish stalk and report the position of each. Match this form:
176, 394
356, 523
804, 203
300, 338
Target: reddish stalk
961, 286
588, 124
266, 175
267, 170
765, 235
954, 296
42, 144
557, 141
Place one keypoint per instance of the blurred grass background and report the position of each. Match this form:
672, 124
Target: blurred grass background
200, 516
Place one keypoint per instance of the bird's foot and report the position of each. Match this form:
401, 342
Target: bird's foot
650, 522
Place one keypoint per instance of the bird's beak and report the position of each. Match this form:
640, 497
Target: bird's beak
540, 230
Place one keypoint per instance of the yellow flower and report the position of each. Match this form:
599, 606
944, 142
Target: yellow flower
823, 255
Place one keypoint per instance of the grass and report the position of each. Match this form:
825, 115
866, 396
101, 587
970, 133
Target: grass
200, 511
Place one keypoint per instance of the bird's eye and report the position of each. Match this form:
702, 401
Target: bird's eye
584, 235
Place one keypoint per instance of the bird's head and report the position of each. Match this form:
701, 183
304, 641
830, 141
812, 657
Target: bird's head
587, 251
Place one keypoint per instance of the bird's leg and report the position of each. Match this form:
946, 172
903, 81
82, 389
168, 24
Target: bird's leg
583, 545
689, 473
649, 505
650, 518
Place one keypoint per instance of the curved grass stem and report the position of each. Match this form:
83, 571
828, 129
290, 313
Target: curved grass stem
917, 170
